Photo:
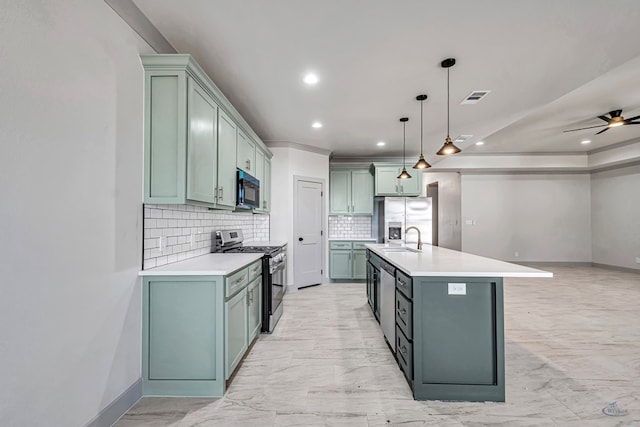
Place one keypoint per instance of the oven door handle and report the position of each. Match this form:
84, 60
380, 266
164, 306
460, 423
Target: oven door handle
279, 266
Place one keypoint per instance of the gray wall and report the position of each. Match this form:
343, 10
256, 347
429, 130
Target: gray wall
71, 130
449, 207
615, 217
542, 217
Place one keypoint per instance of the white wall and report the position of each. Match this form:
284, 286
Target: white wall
543, 217
449, 207
71, 102
287, 162
615, 217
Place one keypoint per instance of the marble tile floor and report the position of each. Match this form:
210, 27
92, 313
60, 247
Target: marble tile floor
572, 347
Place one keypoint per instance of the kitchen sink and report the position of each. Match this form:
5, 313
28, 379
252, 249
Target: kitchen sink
400, 249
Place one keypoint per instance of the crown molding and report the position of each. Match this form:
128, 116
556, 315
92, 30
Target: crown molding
297, 146
138, 21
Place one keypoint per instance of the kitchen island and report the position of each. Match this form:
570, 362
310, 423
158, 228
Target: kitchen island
442, 314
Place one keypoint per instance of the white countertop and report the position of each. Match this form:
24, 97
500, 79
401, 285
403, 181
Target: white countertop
440, 262
267, 243
205, 265
352, 239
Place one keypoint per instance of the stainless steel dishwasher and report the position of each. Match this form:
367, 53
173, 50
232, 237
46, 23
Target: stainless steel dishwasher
388, 303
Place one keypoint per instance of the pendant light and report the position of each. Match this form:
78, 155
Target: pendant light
421, 163
448, 147
404, 174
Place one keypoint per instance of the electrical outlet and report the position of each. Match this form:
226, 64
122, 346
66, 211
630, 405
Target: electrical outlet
517, 254
457, 288
160, 244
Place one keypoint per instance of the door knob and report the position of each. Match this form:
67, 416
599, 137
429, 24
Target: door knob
300, 239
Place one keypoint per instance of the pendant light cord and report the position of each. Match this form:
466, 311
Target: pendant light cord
421, 115
448, 101
404, 142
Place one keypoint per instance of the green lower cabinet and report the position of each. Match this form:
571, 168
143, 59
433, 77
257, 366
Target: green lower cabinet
237, 337
193, 337
183, 336
254, 323
340, 265
348, 259
360, 264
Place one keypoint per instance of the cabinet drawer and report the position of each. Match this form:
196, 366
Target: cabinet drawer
404, 314
339, 245
404, 351
404, 284
236, 281
255, 270
359, 245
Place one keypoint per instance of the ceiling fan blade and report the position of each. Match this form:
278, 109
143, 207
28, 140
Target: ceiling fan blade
632, 123
615, 113
630, 119
606, 119
590, 127
603, 130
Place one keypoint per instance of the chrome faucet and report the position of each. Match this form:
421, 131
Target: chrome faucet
419, 236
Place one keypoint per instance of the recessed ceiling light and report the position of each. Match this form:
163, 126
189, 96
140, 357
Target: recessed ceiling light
480, 143
316, 125
310, 79
585, 141
381, 144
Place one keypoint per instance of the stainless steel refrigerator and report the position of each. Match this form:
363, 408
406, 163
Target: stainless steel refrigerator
392, 216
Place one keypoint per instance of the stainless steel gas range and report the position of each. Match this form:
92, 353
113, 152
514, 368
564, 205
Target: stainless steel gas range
274, 271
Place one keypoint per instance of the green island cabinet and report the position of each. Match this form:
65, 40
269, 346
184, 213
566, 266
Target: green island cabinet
388, 184
450, 347
191, 136
350, 192
196, 330
348, 259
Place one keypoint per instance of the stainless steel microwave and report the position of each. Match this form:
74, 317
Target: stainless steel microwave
248, 194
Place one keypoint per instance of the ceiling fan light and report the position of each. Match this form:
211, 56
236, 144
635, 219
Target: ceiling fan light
421, 163
404, 174
448, 148
616, 121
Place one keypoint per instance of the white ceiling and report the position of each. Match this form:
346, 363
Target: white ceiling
551, 65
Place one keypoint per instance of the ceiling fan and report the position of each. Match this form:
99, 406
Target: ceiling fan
615, 120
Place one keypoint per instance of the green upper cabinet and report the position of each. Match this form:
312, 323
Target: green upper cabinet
202, 145
388, 184
246, 154
263, 173
350, 192
193, 137
227, 134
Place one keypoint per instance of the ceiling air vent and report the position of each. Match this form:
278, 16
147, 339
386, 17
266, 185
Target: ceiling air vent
462, 138
475, 96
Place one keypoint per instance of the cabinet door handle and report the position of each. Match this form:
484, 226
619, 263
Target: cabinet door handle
248, 164
220, 193
403, 349
403, 311
215, 194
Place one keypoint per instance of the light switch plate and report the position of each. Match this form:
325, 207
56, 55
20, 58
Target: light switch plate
457, 288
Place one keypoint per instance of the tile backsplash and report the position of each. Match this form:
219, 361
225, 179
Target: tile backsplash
349, 227
185, 231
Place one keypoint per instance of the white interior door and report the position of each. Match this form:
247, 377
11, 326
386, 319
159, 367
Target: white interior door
308, 241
